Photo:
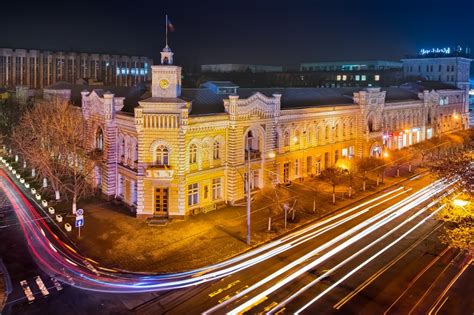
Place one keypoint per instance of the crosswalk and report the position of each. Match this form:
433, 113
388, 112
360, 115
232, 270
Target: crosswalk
37, 287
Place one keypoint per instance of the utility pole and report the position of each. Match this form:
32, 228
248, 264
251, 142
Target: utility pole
249, 139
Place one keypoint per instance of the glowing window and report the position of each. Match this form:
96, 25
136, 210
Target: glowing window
192, 154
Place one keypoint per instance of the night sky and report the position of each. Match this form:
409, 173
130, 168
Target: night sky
241, 31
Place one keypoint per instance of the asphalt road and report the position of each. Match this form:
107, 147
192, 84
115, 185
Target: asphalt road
398, 268
383, 256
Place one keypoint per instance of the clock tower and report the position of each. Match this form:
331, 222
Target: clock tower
166, 77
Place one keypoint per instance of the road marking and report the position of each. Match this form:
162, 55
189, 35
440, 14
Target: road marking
416, 278
371, 279
219, 291
440, 307
434, 281
225, 298
450, 285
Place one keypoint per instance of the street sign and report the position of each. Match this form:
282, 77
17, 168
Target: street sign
79, 212
79, 221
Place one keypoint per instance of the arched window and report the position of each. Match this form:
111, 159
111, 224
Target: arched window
326, 133
336, 131
286, 138
216, 150
162, 155
370, 124
297, 139
121, 148
343, 130
192, 154
99, 139
428, 120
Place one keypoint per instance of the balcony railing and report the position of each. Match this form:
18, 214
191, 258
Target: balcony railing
159, 172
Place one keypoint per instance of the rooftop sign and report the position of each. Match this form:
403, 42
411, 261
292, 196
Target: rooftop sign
446, 51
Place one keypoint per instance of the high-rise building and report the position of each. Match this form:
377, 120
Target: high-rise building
37, 69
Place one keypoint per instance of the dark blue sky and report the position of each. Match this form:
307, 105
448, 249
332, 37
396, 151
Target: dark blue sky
242, 31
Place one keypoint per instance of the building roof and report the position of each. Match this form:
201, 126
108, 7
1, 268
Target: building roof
420, 86
206, 102
132, 94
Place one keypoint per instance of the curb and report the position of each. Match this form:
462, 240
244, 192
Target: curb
331, 212
8, 283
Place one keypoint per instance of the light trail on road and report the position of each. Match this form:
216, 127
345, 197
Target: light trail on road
363, 229
64, 261
59, 259
369, 259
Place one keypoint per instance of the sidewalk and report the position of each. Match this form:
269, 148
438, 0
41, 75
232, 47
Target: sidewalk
116, 239
5, 285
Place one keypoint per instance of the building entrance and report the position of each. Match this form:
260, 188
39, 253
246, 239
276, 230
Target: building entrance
161, 202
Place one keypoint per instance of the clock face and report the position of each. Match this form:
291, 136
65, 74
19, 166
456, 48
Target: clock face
164, 84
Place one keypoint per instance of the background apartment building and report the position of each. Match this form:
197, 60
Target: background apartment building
38, 69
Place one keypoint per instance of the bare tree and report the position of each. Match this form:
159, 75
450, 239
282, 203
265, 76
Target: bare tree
398, 157
366, 165
349, 169
51, 137
335, 176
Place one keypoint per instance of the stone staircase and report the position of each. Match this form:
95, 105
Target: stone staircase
157, 221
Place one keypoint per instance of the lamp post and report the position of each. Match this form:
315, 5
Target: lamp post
249, 142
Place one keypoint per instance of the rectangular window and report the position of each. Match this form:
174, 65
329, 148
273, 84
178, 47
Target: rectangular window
309, 165
357, 77
363, 77
344, 77
344, 152
297, 167
377, 77
326, 159
338, 78
217, 188
336, 155
193, 194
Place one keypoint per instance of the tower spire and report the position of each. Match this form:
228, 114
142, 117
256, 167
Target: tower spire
166, 28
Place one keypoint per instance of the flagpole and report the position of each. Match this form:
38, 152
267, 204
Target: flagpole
166, 27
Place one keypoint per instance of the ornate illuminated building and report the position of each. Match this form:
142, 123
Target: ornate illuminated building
182, 151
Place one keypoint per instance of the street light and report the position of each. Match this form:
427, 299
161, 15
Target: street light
460, 203
385, 154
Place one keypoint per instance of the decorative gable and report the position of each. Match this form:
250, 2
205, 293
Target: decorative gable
256, 106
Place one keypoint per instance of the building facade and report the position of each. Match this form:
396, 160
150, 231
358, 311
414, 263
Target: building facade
37, 69
185, 151
356, 73
450, 70
233, 67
